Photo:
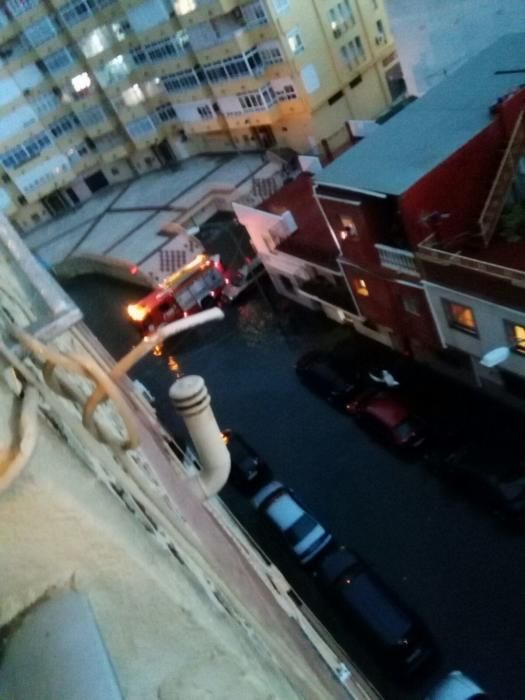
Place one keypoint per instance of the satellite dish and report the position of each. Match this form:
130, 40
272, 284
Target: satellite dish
495, 357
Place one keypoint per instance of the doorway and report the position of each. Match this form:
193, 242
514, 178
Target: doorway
97, 181
264, 136
164, 153
56, 203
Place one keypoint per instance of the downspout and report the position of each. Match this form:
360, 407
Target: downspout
191, 400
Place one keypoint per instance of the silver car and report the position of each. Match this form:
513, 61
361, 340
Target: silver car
457, 686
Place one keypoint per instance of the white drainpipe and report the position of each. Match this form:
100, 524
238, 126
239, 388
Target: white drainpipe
191, 400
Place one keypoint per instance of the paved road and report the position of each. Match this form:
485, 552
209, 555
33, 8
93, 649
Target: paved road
450, 561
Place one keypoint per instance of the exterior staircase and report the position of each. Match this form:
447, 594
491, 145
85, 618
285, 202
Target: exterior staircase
493, 208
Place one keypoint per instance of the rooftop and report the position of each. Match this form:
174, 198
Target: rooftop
431, 129
312, 241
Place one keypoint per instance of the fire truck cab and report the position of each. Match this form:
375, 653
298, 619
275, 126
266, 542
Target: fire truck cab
190, 289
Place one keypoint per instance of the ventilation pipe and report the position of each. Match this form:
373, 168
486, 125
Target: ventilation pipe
191, 400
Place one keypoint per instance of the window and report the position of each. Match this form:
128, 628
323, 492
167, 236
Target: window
47, 102
460, 317
361, 288
92, 116
61, 126
20, 7
81, 82
41, 31
516, 337
280, 6
347, 54
75, 11
205, 112
294, 40
348, 228
411, 305
133, 96
58, 61
113, 71
31, 148
184, 80
166, 112
270, 53
96, 41
359, 48
140, 128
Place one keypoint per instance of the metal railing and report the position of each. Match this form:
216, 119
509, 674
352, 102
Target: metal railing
397, 259
427, 251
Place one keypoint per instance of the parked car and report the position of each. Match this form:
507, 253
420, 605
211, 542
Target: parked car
457, 686
242, 279
249, 473
304, 535
490, 471
388, 415
328, 377
392, 630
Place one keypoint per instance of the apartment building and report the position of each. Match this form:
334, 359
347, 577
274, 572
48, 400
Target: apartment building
94, 91
434, 37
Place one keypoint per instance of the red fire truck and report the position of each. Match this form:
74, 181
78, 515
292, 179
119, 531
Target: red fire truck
190, 289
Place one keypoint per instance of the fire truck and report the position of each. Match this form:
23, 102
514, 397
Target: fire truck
192, 288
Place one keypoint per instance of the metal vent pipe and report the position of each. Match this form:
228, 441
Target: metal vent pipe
191, 400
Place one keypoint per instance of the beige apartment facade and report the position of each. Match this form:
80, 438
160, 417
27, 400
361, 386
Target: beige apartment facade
93, 92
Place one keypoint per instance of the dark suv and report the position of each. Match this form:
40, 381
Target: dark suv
392, 630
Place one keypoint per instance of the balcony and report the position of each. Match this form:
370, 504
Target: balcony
397, 259
234, 26
496, 273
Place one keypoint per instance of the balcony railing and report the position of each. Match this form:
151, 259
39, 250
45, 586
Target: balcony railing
429, 252
397, 259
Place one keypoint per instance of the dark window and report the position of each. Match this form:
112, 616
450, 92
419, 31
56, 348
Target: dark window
22, 199
356, 81
332, 100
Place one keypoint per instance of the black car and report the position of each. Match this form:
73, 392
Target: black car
489, 471
249, 473
392, 630
327, 376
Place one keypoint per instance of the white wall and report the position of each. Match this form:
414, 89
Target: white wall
490, 320
434, 37
41, 173
9, 91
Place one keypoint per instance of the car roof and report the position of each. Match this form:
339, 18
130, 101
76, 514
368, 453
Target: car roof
336, 563
387, 407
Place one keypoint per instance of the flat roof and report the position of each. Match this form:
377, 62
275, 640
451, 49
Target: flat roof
428, 131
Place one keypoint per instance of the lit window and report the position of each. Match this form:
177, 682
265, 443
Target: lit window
348, 228
516, 336
182, 7
361, 288
133, 96
461, 317
81, 82
295, 41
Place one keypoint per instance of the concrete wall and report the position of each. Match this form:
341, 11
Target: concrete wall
434, 37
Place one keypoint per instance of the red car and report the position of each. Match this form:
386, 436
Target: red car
388, 414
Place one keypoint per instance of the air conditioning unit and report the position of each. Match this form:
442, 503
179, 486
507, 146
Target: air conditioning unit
380, 39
